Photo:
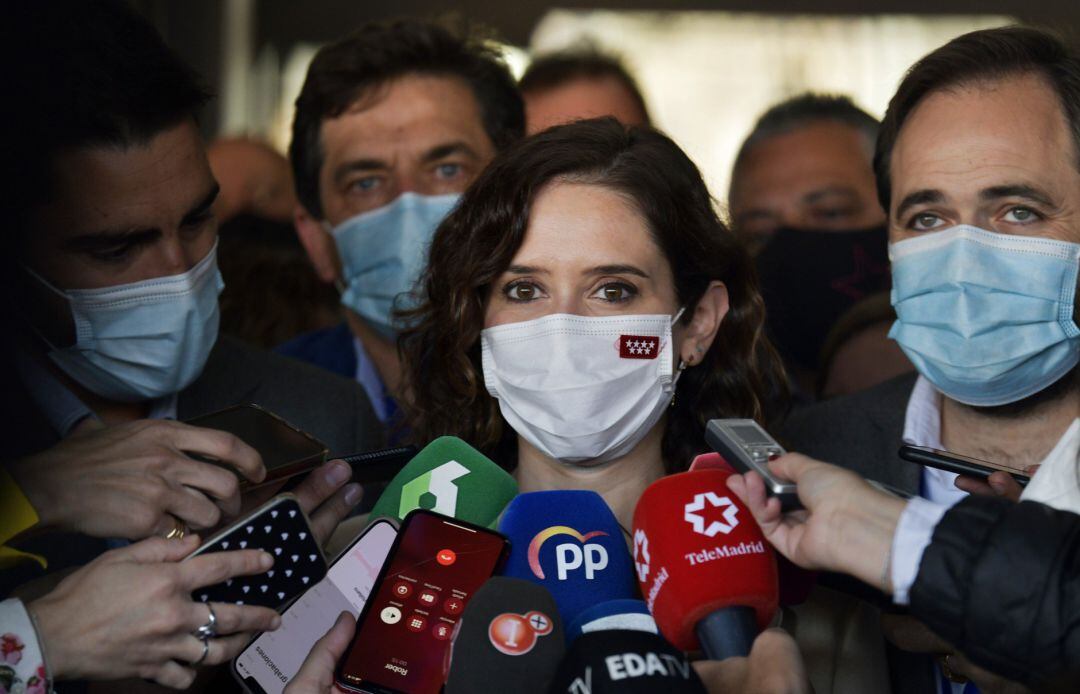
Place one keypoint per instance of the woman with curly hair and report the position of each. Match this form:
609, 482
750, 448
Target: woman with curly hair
584, 313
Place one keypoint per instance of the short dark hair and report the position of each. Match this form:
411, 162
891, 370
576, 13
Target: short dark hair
988, 54
807, 109
379, 52
556, 69
104, 76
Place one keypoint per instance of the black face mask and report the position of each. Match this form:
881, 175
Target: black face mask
809, 278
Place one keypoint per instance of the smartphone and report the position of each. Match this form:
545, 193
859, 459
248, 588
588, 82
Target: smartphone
746, 446
436, 565
274, 657
286, 450
381, 465
960, 464
279, 527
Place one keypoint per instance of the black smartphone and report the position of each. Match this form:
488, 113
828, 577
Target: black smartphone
379, 466
286, 450
274, 657
960, 464
279, 527
436, 565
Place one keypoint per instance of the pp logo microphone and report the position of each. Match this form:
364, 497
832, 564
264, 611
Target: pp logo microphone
693, 513
516, 634
569, 555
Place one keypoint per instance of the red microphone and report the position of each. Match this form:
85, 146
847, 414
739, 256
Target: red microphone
704, 567
711, 461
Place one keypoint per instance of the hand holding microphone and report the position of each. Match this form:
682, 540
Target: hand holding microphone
846, 526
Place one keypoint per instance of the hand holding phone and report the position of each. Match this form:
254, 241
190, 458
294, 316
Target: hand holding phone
436, 565
960, 464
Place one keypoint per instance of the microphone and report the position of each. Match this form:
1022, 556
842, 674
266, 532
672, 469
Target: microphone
509, 636
452, 478
706, 572
569, 542
711, 461
631, 615
625, 661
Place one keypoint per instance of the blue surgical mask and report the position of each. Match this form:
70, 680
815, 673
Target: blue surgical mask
987, 318
384, 252
143, 340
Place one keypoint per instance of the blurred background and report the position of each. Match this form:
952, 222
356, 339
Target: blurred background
707, 69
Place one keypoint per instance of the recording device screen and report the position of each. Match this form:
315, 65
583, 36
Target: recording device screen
435, 567
274, 657
285, 450
752, 436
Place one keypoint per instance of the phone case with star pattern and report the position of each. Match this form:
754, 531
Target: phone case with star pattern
280, 528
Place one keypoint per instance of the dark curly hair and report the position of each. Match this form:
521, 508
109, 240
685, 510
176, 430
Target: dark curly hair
440, 339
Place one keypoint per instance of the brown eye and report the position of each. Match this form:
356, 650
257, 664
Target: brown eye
521, 291
616, 292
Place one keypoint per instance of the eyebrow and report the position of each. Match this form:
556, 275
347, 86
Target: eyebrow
816, 195
1016, 190
919, 197
106, 238
446, 150
619, 269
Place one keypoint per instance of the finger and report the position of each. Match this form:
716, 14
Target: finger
188, 648
737, 485
173, 674
215, 567
1005, 486
219, 445
216, 482
231, 619
192, 507
790, 465
974, 485
320, 484
317, 672
334, 510
776, 663
154, 550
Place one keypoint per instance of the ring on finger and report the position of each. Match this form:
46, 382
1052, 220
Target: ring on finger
178, 531
205, 650
208, 630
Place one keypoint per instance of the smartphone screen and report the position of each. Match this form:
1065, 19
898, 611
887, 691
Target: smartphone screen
274, 657
435, 567
285, 449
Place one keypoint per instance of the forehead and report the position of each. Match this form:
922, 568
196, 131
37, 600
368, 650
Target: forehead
812, 156
982, 134
584, 97
582, 224
147, 185
407, 115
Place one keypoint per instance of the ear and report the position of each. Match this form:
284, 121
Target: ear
319, 245
704, 324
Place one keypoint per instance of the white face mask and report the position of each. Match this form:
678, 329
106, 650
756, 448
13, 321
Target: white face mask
581, 388
142, 340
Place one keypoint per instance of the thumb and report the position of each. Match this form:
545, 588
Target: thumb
155, 549
317, 672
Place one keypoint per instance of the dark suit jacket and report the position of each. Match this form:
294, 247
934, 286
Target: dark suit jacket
863, 432
333, 409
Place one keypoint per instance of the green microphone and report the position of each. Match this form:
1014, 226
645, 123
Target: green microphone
452, 478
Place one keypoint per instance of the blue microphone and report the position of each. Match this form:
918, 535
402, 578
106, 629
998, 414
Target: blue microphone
569, 542
629, 615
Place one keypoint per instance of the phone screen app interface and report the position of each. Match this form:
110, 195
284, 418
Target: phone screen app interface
276, 656
402, 642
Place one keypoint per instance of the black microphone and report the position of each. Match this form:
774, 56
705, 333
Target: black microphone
509, 638
625, 662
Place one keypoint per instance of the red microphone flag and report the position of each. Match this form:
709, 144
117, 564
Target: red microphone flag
697, 549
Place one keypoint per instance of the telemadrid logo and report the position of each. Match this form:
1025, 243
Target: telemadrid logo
692, 514
641, 555
569, 555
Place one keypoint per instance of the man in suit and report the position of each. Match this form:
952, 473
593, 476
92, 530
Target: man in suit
983, 198
115, 285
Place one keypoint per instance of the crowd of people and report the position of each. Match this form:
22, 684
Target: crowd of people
449, 251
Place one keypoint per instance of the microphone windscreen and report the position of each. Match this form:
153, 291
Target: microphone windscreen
569, 542
711, 461
630, 615
510, 637
625, 662
697, 549
452, 478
